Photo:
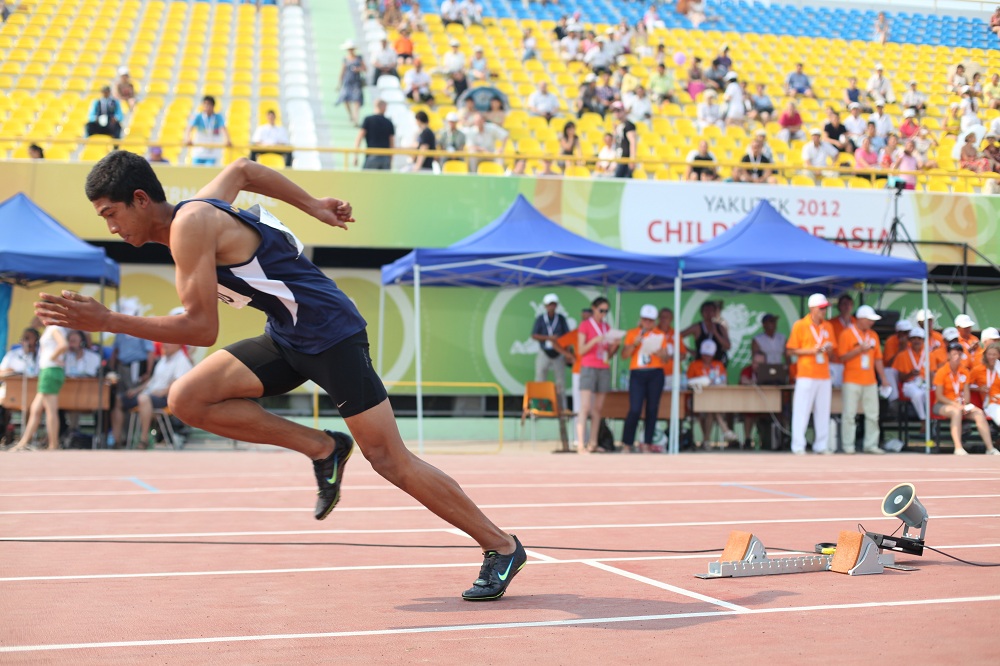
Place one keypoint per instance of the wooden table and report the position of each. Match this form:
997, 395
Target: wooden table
78, 394
739, 399
616, 405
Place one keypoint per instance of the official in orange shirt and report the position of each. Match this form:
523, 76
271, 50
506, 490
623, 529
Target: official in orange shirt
989, 336
969, 342
568, 343
936, 339
911, 365
952, 385
645, 348
951, 335
985, 378
811, 341
844, 318
897, 343
861, 354
665, 322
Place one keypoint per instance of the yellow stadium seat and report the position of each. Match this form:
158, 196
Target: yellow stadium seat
832, 182
489, 168
271, 160
455, 166
802, 180
575, 171
859, 184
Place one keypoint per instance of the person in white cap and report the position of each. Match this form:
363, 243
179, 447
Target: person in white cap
969, 107
384, 61
898, 342
124, 89
812, 342
911, 366
953, 401
878, 85
706, 366
548, 328
817, 153
985, 376
855, 124
451, 138
936, 339
645, 347
989, 336
736, 109
451, 12
969, 342
454, 60
883, 123
861, 353
914, 100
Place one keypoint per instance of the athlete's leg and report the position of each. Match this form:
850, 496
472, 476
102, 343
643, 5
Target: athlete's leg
378, 438
216, 396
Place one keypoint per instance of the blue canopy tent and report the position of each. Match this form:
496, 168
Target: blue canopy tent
764, 252
35, 248
521, 248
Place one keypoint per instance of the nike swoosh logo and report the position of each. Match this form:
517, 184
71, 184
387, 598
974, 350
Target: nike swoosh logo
341, 404
504, 575
336, 468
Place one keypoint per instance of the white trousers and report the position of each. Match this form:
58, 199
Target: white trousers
867, 396
918, 396
811, 396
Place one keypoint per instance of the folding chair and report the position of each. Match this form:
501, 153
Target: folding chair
541, 401
161, 419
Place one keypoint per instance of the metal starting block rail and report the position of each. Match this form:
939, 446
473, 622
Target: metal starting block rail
768, 567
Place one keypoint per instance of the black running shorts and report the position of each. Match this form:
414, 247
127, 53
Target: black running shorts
344, 370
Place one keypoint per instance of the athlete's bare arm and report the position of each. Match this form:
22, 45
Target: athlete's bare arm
244, 175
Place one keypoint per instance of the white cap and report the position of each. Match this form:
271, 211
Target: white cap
732, 76
904, 325
815, 131
950, 333
924, 314
990, 333
818, 301
918, 333
453, 42
649, 312
964, 321
879, 102
550, 299
708, 347
122, 71
349, 44
909, 113
878, 65
964, 89
452, 117
867, 312
853, 105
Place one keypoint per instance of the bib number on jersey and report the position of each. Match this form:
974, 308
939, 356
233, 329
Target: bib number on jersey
273, 222
232, 298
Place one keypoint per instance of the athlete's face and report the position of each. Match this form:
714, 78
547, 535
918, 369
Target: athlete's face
129, 222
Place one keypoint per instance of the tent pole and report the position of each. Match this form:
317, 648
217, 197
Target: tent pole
927, 372
99, 428
381, 327
675, 378
420, 374
618, 324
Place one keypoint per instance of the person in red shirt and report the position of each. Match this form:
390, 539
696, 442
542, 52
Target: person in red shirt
645, 348
861, 354
811, 341
985, 378
707, 368
952, 385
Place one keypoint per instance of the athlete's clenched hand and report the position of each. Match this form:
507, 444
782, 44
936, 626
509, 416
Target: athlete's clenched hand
335, 212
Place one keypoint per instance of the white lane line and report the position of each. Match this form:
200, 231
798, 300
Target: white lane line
440, 530
543, 559
535, 505
494, 626
503, 486
666, 586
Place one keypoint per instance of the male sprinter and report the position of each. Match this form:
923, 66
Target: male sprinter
313, 331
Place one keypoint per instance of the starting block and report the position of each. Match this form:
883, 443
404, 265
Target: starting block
745, 555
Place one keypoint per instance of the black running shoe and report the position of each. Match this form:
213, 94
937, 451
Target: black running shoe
330, 472
497, 572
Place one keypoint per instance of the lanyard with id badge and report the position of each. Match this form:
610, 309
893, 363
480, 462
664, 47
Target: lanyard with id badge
820, 356
602, 346
551, 328
866, 359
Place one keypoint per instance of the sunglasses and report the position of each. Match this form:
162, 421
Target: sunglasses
602, 309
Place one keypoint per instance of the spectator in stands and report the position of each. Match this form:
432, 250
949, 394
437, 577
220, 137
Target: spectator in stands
35, 152
626, 141
755, 158
457, 85
154, 155
696, 79
624, 80
479, 68
735, 102
701, 164
951, 383
709, 113
497, 114
5, 12
569, 144
425, 142
561, 28
451, 12
995, 22
881, 31
661, 84
529, 46
969, 156
977, 86
587, 101
791, 124
910, 126
852, 94
451, 138
467, 112
797, 83
638, 106
454, 60
378, 132
569, 46
472, 13
715, 76
417, 83
883, 123
270, 134
152, 394
878, 86
403, 46
207, 127
856, 125
761, 105
992, 152
914, 100
858, 348
991, 92
124, 90
817, 153
661, 54
959, 79
835, 133
605, 167
645, 347
770, 342
865, 157
484, 137
543, 103
640, 40
723, 60
969, 109
606, 93
414, 18
888, 153
105, 116
598, 57
384, 61
52, 348
352, 83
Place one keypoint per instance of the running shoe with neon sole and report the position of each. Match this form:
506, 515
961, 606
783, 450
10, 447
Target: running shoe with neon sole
497, 572
330, 472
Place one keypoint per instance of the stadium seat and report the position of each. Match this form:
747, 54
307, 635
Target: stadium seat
489, 168
455, 166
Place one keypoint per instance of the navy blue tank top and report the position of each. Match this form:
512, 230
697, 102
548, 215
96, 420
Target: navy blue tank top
305, 309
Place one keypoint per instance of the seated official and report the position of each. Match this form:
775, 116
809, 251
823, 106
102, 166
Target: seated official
20, 361
985, 378
707, 367
152, 394
763, 422
953, 401
911, 366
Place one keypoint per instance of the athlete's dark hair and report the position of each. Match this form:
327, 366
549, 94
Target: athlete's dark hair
119, 174
598, 302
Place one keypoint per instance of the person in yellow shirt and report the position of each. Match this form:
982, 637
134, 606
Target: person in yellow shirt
645, 348
861, 354
952, 385
811, 341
